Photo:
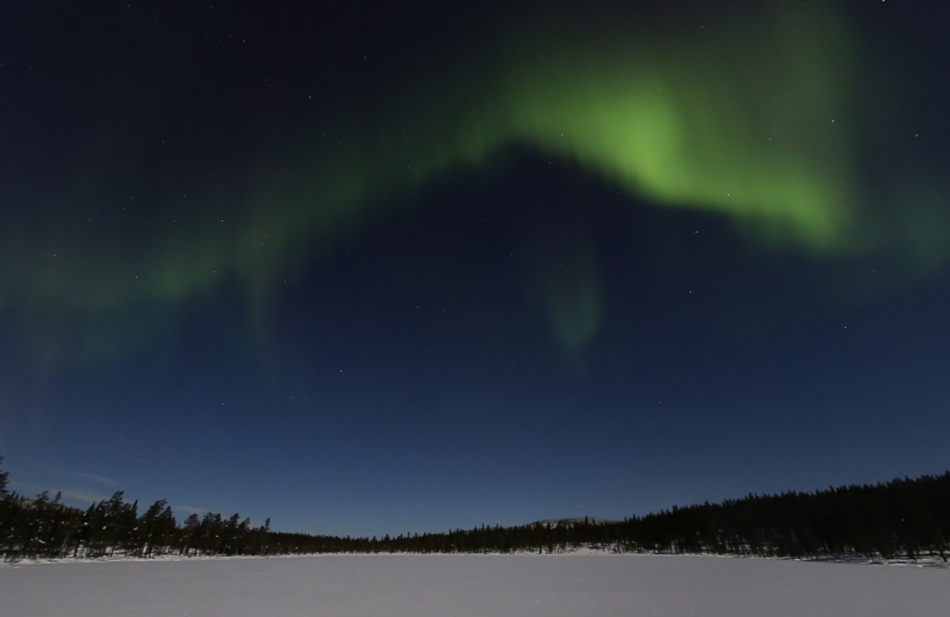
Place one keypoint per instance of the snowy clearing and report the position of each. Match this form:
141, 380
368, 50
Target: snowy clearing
471, 586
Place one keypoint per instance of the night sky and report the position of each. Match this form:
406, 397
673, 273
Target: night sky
377, 267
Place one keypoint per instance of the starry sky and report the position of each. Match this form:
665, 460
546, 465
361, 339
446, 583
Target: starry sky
374, 267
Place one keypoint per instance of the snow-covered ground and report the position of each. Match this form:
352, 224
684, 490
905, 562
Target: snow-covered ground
472, 586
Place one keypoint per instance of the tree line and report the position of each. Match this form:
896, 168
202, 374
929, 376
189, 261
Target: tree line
901, 518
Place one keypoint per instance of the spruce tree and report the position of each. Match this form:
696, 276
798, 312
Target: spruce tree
190, 531
4, 478
148, 528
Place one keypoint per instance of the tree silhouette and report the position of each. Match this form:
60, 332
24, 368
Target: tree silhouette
905, 517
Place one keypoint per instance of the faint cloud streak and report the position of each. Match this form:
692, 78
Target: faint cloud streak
80, 496
94, 477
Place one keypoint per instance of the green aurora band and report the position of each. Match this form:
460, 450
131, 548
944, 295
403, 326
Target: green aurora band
740, 121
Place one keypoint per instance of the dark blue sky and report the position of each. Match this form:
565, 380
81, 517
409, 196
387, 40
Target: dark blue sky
429, 365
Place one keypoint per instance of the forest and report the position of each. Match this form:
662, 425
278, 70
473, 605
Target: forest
902, 518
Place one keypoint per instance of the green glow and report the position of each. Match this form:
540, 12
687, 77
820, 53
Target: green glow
572, 294
739, 123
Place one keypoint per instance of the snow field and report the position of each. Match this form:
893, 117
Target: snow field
472, 586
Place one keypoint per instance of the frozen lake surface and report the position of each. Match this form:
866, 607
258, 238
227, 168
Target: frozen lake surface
472, 586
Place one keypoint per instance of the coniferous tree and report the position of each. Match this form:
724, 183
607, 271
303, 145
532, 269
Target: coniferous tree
4, 478
149, 527
165, 531
190, 536
7, 510
901, 518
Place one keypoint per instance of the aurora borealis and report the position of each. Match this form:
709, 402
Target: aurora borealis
178, 172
